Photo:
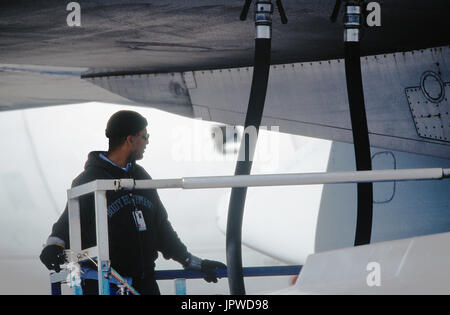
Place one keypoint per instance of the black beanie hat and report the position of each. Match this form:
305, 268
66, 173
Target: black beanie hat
124, 123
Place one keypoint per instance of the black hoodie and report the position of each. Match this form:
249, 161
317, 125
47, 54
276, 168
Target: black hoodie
132, 252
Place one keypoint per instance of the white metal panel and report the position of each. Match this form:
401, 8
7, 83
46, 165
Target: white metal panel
310, 98
416, 265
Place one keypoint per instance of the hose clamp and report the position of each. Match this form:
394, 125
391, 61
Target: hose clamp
124, 184
263, 19
352, 23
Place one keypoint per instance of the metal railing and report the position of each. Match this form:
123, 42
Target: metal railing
180, 276
99, 188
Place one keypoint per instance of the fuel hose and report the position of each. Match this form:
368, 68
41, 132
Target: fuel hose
263, 19
355, 92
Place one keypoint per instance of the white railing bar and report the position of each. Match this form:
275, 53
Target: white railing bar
111, 184
74, 224
313, 178
268, 180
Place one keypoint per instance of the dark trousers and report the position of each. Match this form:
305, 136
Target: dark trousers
146, 286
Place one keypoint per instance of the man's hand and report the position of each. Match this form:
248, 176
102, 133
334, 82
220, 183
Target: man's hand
52, 256
208, 267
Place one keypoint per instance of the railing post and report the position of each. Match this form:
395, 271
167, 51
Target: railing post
180, 286
55, 288
101, 219
74, 224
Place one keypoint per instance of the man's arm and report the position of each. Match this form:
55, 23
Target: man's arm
172, 247
60, 231
53, 253
168, 243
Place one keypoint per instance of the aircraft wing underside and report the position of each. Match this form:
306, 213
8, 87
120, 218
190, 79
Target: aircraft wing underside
178, 36
194, 58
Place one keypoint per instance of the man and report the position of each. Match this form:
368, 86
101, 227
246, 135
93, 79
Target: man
137, 221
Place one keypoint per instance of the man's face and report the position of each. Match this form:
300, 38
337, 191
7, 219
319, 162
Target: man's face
140, 142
